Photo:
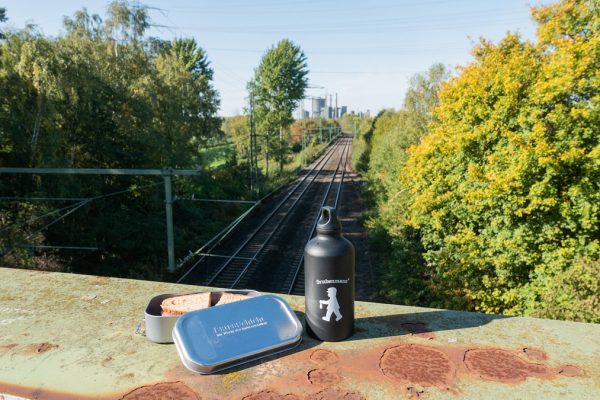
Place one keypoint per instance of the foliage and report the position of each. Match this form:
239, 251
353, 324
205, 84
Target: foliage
218, 155
3, 18
314, 130
360, 127
397, 245
486, 192
276, 89
573, 293
394, 132
505, 189
238, 129
104, 96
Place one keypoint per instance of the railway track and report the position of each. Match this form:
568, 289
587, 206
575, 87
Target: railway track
332, 198
266, 254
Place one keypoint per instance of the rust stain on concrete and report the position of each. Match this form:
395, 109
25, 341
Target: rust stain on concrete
323, 377
270, 395
503, 366
162, 391
410, 363
570, 371
323, 357
335, 394
39, 348
535, 354
34, 393
325, 394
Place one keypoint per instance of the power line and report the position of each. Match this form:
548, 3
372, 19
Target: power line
44, 215
347, 31
43, 198
380, 25
73, 207
323, 7
71, 211
59, 247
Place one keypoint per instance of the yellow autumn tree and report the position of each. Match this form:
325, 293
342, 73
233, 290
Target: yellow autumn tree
505, 189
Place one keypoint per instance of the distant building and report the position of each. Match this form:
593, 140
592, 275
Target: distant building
323, 113
318, 104
326, 112
340, 111
301, 114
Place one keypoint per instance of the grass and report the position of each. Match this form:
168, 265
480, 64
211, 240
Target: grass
217, 155
290, 169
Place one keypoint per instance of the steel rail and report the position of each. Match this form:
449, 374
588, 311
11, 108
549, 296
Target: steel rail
314, 227
224, 256
322, 161
219, 237
318, 162
216, 239
247, 266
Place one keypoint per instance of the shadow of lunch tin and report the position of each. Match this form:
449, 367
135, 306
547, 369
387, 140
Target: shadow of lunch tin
159, 328
212, 339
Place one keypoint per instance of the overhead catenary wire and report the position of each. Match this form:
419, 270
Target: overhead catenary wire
43, 216
263, 243
379, 26
25, 198
280, 7
323, 203
71, 208
208, 247
88, 248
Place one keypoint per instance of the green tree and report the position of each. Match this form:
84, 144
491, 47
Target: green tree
193, 57
505, 189
102, 96
395, 131
2, 19
237, 128
396, 244
125, 23
278, 86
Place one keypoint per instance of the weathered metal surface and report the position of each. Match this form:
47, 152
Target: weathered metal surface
72, 336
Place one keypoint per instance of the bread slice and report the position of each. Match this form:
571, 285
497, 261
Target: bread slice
164, 313
229, 298
181, 304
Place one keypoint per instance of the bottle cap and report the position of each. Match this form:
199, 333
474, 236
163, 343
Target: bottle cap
328, 222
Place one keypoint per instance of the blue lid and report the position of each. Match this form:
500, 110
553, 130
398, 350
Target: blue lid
216, 338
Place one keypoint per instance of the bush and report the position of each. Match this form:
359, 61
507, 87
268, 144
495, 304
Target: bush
573, 294
505, 190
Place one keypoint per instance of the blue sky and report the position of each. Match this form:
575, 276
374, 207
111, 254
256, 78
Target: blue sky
365, 51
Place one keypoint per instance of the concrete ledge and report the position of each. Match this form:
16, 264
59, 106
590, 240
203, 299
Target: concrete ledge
78, 337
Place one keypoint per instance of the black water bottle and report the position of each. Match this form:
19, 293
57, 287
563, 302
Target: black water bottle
329, 281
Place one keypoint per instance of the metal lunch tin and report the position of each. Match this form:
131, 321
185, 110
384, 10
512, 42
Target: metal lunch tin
159, 328
212, 339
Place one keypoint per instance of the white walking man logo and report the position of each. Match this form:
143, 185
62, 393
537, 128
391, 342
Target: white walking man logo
333, 307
